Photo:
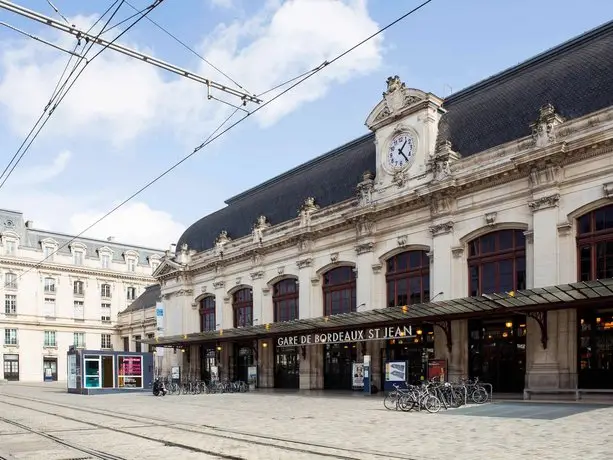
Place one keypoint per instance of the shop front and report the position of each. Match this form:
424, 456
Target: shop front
97, 372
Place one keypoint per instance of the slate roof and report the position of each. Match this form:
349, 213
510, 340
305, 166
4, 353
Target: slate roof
576, 77
147, 299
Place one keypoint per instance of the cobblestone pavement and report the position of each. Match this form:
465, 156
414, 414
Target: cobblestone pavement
45, 422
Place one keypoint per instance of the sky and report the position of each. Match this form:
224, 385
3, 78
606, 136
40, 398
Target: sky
124, 121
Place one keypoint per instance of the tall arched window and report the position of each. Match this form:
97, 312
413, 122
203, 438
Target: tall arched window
339, 291
285, 300
408, 278
207, 314
242, 302
595, 244
497, 262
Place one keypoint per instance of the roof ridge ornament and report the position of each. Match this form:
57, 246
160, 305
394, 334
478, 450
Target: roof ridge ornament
544, 128
306, 210
396, 99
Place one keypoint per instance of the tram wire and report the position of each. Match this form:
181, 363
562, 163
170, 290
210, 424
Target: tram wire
214, 136
179, 426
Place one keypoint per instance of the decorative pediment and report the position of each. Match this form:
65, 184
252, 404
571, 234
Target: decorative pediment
397, 101
78, 247
130, 253
49, 242
10, 234
166, 267
105, 250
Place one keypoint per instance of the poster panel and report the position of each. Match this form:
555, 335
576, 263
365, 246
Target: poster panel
130, 373
358, 374
437, 370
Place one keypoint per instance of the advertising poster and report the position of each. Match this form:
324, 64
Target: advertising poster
159, 319
437, 369
214, 373
130, 371
72, 371
358, 375
395, 374
175, 373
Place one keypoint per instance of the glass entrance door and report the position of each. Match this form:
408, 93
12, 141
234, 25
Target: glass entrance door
11, 367
287, 368
92, 372
497, 350
50, 369
338, 366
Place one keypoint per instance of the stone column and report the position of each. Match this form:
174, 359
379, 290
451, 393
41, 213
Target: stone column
442, 267
364, 281
266, 377
544, 368
219, 288
257, 282
304, 287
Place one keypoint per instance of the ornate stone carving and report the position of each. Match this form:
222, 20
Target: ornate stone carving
222, 239
564, 228
490, 218
334, 257
280, 270
303, 263
608, 189
376, 268
203, 289
265, 290
400, 178
219, 284
315, 281
365, 189
397, 96
440, 203
305, 244
364, 226
440, 163
307, 210
184, 292
545, 202
364, 248
529, 234
544, 128
257, 275
256, 259
402, 240
258, 229
548, 174
238, 281
442, 228
457, 251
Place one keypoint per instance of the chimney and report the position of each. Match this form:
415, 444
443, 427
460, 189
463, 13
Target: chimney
173, 248
110, 239
29, 223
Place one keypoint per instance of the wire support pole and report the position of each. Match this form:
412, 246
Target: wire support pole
79, 34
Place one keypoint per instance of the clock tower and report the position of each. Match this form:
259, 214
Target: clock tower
405, 123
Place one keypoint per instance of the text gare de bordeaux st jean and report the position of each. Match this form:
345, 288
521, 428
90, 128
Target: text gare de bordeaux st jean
360, 335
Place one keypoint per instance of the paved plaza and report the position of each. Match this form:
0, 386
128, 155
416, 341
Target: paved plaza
44, 422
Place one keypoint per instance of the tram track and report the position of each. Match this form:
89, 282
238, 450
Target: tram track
215, 432
86, 450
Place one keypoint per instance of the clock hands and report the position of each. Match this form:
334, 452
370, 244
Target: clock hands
400, 150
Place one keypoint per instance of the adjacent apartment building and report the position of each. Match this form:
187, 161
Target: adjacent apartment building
73, 297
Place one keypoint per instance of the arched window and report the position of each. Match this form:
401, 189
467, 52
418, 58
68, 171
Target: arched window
408, 278
207, 314
339, 291
242, 301
595, 244
285, 300
497, 262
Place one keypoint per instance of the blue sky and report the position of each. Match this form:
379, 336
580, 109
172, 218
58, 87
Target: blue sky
124, 121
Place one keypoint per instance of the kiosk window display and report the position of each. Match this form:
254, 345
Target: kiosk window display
92, 372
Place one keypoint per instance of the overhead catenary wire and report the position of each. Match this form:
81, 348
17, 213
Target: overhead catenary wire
217, 134
38, 39
63, 95
189, 48
52, 98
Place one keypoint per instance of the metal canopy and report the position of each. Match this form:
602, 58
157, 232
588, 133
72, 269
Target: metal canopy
538, 299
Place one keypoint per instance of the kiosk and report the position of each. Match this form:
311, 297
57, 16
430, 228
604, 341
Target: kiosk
99, 372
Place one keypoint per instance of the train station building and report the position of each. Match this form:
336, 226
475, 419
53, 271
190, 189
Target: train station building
476, 230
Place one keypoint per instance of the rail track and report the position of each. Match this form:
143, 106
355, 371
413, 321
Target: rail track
271, 442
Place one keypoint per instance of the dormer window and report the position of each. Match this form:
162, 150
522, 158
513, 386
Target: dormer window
131, 258
106, 260
49, 247
106, 257
10, 247
77, 257
131, 265
48, 252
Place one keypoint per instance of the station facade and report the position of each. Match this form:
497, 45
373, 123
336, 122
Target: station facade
476, 230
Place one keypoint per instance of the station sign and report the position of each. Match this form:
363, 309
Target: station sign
354, 335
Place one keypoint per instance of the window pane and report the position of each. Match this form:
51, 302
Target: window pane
585, 224
474, 280
505, 240
506, 275
488, 243
520, 273
585, 263
488, 278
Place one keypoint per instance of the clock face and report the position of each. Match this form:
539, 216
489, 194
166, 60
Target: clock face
400, 150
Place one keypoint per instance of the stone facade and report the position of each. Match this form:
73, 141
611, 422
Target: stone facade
72, 297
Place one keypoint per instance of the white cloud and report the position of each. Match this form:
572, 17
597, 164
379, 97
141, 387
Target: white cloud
42, 173
222, 3
134, 223
119, 98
